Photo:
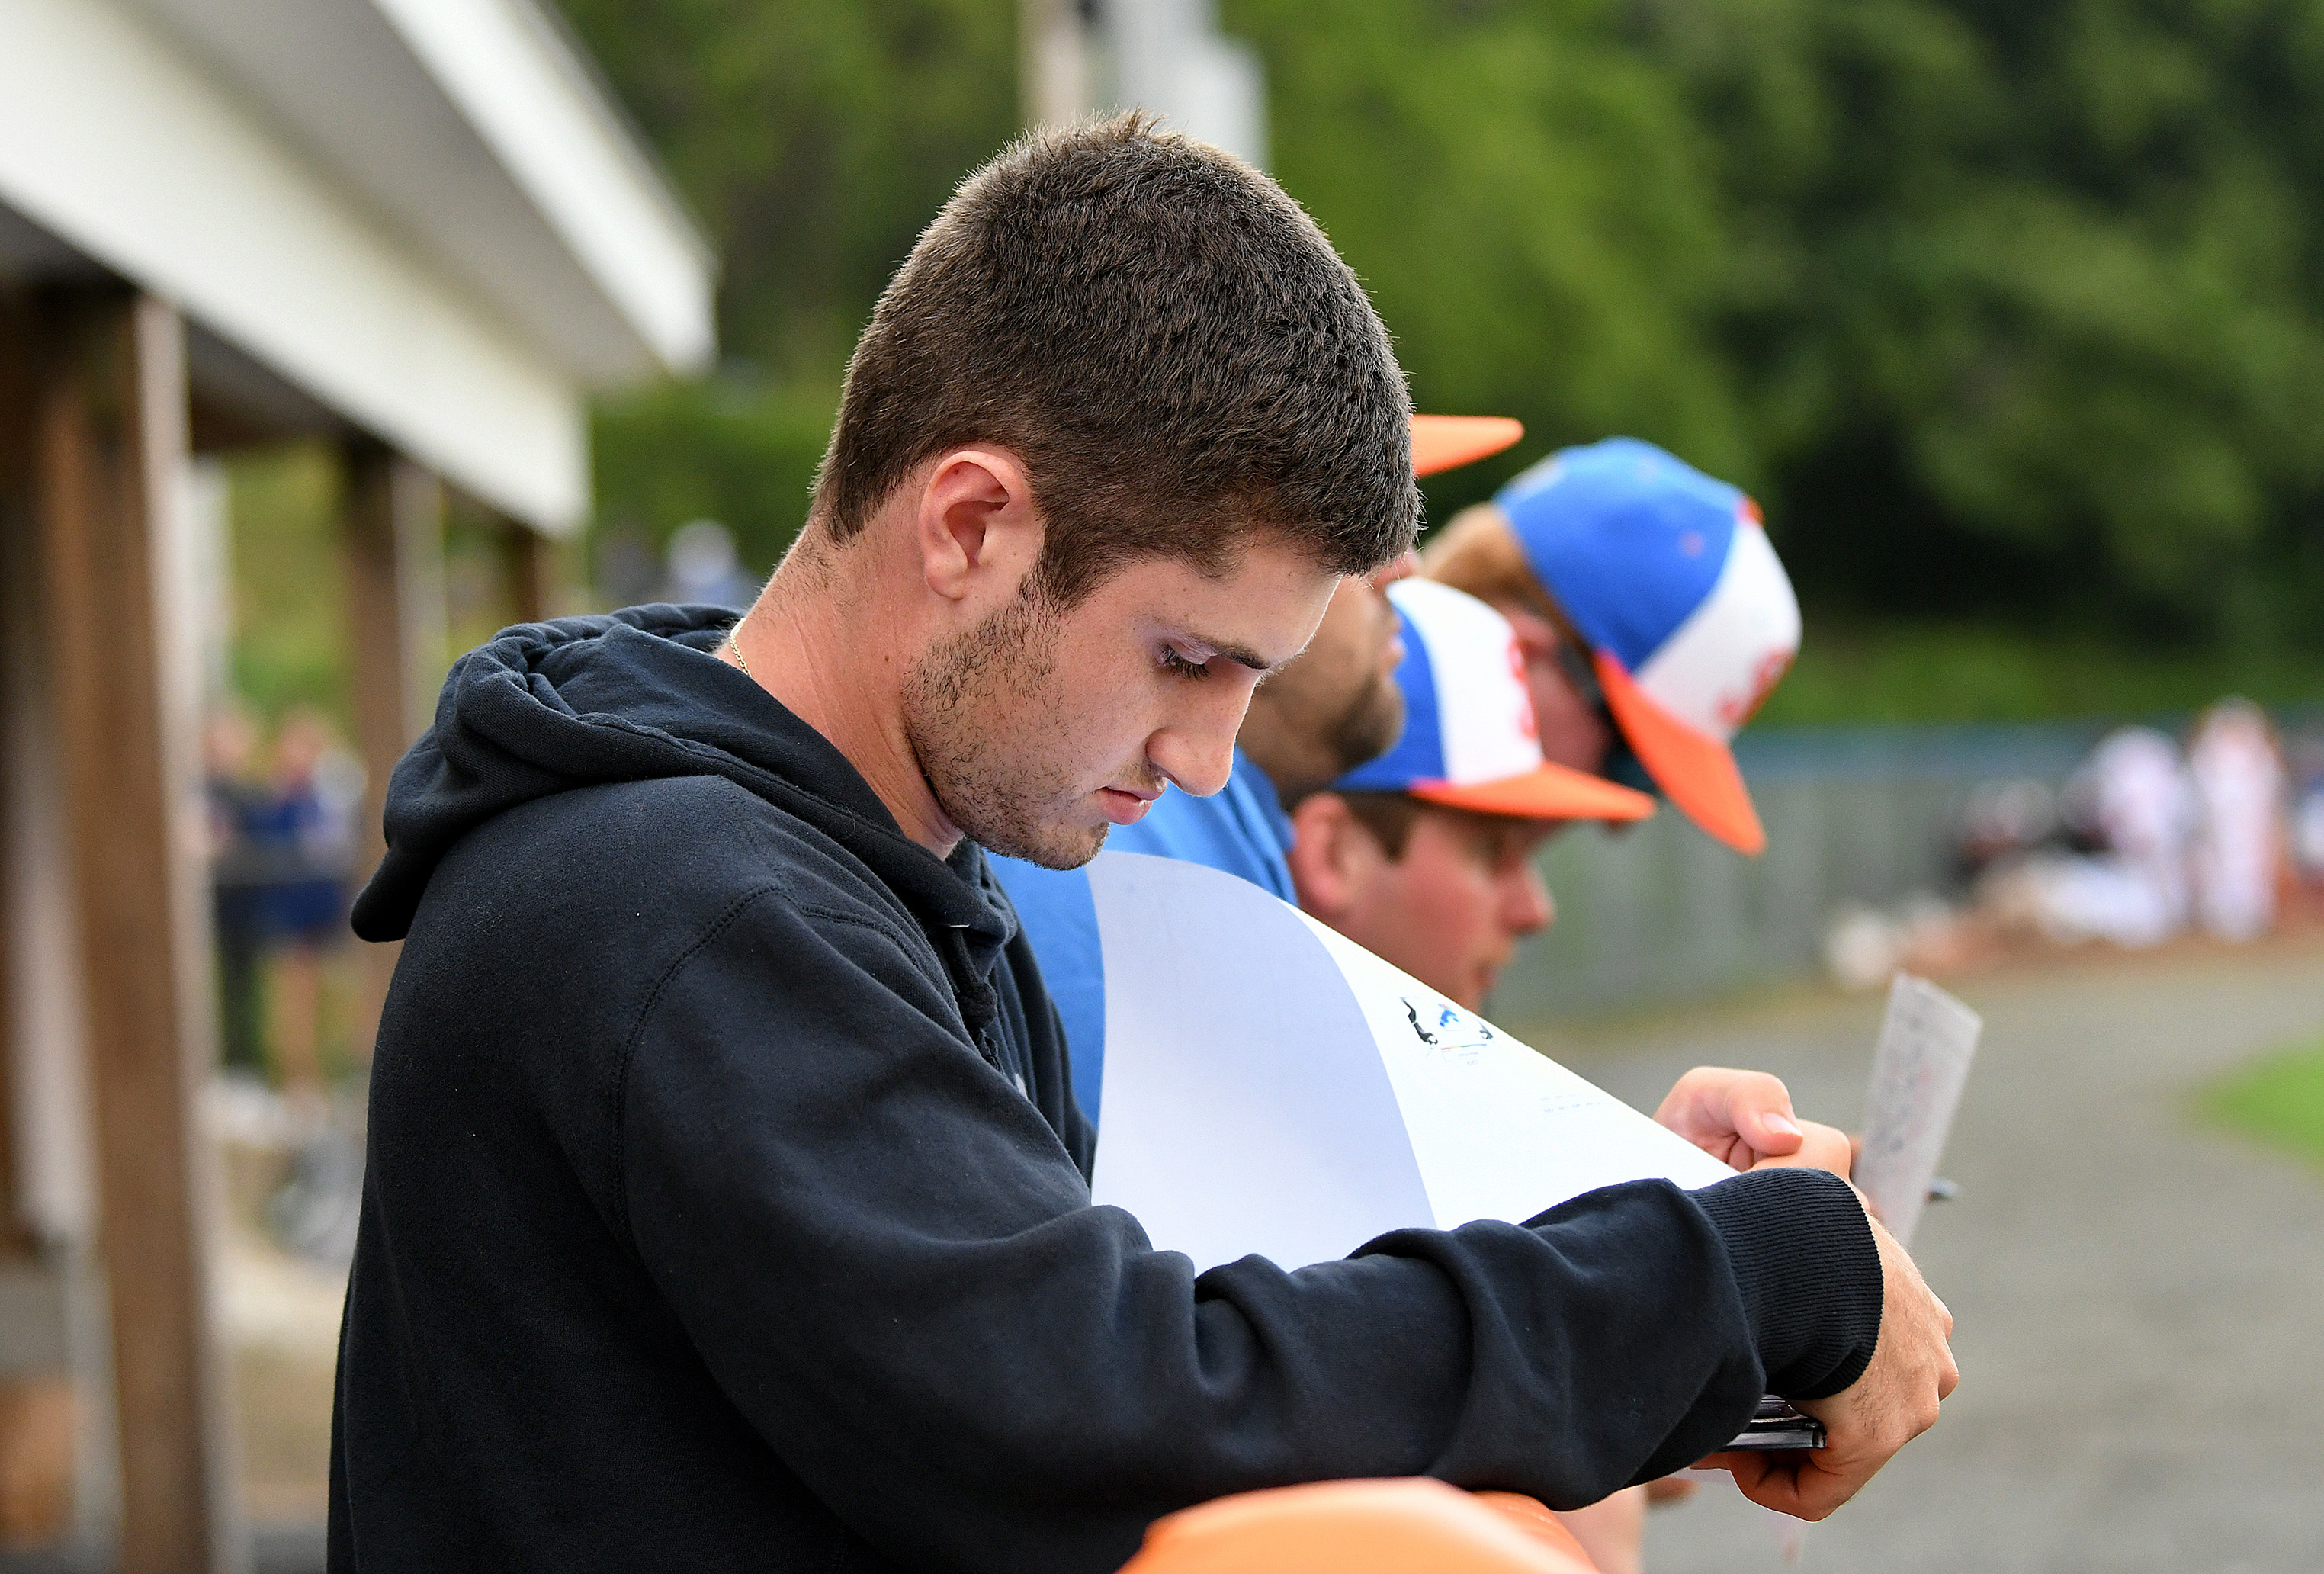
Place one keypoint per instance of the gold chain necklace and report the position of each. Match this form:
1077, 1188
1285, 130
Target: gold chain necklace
735, 644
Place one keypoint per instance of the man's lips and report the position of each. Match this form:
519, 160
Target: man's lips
1124, 808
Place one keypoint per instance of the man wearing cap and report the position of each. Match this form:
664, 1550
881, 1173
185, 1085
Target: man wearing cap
1654, 614
1424, 856
1336, 706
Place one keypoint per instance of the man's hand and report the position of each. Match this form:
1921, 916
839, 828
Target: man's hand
1744, 1119
1821, 1147
1893, 1403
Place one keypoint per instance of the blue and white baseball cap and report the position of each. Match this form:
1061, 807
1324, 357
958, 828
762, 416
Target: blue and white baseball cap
1669, 577
1468, 736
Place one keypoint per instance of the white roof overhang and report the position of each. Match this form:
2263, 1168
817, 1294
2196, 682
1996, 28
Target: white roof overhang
422, 214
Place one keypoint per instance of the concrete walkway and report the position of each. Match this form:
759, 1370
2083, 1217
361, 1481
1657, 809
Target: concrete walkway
2139, 1300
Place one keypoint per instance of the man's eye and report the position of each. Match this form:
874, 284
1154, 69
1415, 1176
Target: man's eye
1172, 662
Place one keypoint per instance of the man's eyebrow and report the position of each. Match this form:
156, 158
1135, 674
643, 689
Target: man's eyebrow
1240, 655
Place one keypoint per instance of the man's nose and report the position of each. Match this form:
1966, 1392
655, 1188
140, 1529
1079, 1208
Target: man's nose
1529, 907
1198, 754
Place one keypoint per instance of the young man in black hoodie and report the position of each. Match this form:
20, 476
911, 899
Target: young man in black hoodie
727, 1205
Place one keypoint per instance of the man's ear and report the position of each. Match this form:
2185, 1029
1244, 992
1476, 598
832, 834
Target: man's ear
976, 527
1333, 857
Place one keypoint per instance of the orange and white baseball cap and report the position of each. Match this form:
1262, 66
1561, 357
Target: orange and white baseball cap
1446, 442
1468, 736
1669, 577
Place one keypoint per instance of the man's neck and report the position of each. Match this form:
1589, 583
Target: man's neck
821, 644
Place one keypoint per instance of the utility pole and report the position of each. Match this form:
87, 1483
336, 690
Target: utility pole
1057, 50
1081, 57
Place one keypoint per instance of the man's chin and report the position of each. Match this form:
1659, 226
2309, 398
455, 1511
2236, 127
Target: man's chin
1058, 848
1371, 727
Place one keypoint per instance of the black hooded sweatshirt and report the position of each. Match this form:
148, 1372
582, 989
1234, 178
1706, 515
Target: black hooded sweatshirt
727, 1205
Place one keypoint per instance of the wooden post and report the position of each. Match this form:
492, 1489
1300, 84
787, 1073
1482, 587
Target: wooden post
19, 346
39, 1410
529, 570
392, 533
111, 438
1056, 81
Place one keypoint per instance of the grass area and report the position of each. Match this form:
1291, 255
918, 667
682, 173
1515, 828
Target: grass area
2279, 1100
1907, 672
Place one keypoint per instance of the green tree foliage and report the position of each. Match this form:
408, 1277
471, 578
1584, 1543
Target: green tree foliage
814, 138
2027, 298
738, 449
2007, 312
1528, 197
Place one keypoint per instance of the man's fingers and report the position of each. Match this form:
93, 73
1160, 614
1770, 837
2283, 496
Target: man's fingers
1719, 1109
1756, 1108
1749, 1467
1788, 1482
1820, 1147
1770, 1131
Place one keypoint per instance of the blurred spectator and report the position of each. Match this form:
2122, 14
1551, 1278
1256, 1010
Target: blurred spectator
237, 874
1864, 945
2004, 821
2308, 810
2135, 802
302, 837
704, 570
2239, 854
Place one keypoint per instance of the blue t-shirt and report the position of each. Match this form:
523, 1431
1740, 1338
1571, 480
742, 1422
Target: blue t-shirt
1240, 829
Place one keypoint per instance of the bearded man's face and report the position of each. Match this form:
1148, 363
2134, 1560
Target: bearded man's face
1040, 728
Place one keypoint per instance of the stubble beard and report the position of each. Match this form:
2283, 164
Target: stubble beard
977, 710
1368, 729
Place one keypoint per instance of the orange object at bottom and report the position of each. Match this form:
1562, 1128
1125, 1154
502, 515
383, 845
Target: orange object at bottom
1411, 1526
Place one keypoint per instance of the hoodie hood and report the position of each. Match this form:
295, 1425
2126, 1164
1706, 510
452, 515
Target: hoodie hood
632, 696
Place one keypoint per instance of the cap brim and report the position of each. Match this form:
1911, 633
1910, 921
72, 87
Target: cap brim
1552, 793
1446, 442
1696, 770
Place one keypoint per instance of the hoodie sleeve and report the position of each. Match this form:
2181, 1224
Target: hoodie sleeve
893, 1267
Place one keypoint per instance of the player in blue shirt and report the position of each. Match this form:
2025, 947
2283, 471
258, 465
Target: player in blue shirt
1326, 713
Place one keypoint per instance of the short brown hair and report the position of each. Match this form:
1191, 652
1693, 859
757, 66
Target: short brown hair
1389, 816
1163, 337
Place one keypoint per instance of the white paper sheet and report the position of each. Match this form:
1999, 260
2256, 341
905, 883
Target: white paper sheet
1926, 1043
1272, 1087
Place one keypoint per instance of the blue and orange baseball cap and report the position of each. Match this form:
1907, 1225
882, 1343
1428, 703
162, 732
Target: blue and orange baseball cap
1468, 736
1669, 577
